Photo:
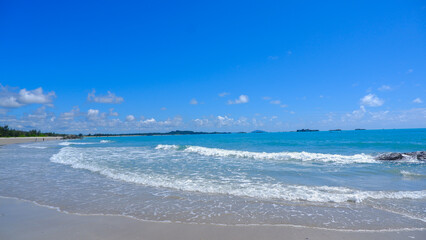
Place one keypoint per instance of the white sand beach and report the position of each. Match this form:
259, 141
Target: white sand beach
12, 140
25, 220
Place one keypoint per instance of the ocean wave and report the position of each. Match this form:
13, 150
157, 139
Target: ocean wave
74, 143
91, 160
32, 146
412, 174
304, 156
83, 143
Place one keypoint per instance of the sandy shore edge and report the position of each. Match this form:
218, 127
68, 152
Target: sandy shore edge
13, 140
25, 220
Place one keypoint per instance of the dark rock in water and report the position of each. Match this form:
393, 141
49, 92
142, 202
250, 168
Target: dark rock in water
258, 131
390, 156
307, 130
420, 155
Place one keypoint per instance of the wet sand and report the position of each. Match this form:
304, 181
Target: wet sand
13, 140
26, 220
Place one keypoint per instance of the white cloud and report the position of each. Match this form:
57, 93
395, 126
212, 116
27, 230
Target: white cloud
275, 102
357, 114
193, 101
223, 94
130, 118
241, 99
92, 114
39, 113
109, 98
384, 88
71, 114
175, 122
214, 122
112, 113
10, 102
372, 101
201, 122
163, 109
224, 121
410, 118
273, 57
35, 96
410, 71
149, 121
382, 115
91, 121
417, 100
12, 99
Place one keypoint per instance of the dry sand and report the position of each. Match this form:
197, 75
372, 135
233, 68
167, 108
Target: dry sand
26, 220
12, 140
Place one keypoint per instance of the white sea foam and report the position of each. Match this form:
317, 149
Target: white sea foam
167, 147
412, 174
96, 161
32, 146
74, 143
304, 156
83, 143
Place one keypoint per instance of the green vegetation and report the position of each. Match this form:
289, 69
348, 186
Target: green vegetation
9, 132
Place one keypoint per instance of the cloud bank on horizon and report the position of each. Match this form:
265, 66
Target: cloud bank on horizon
94, 120
208, 67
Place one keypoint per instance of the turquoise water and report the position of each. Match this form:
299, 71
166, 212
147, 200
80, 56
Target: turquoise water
318, 179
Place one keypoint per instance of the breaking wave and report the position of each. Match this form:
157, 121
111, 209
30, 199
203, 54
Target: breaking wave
304, 156
98, 162
83, 143
73, 143
32, 146
412, 174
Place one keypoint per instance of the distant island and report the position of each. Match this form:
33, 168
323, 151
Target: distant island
177, 132
258, 131
358, 129
335, 130
307, 130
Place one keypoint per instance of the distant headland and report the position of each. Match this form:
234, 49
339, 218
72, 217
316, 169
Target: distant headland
177, 132
307, 130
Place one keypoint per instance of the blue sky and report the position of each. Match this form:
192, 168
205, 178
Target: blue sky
143, 66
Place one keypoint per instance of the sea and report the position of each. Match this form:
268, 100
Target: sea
325, 179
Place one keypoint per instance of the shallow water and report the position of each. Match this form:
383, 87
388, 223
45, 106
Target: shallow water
319, 179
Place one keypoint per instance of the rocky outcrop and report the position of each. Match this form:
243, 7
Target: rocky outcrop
307, 130
420, 155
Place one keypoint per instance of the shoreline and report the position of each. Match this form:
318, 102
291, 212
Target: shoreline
14, 140
23, 219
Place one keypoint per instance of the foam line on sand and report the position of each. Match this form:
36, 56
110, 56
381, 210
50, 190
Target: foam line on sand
25, 220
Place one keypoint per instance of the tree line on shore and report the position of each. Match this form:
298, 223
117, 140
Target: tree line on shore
5, 131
